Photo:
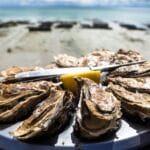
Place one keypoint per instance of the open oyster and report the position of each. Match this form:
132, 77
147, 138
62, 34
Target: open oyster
133, 103
98, 111
48, 117
17, 100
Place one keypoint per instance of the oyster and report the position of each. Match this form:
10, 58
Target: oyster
95, 58
48, 117
139, 70
133, 103
12, 71
125, 56
17, 100
133, 84
98, 111
50, 66
64, 60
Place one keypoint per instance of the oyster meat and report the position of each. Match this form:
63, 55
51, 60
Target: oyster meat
49, 116
98, 111
17, 100
133, 103
125, 56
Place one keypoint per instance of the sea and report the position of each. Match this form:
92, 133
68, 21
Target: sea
138, 15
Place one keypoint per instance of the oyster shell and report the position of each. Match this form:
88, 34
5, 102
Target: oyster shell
17, 100
133, 103
95, 58
64, 60
125, 56
139, 70
12, 71
48, 117
133, 84
98, 111
50, 66
98, 57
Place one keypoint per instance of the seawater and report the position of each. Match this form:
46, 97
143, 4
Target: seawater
121, 14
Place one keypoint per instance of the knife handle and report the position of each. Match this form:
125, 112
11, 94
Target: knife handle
70, 83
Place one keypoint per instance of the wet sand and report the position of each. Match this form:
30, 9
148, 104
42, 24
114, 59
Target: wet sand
21, 47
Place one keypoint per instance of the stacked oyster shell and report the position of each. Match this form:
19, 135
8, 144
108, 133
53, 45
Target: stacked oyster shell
131, 84
95, 58
46, 106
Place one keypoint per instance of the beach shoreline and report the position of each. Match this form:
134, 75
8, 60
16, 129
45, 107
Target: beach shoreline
24, 43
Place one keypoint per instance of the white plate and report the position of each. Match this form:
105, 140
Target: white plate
129, 135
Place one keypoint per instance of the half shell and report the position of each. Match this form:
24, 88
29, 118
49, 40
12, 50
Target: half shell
98, 111
17, 100
133, 84
139, 70
133, 103
48, 117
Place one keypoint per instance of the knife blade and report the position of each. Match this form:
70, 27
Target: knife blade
62, 71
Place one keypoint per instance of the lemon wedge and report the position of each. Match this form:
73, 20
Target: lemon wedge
70, 83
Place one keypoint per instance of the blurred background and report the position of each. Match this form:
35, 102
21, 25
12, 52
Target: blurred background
33, 31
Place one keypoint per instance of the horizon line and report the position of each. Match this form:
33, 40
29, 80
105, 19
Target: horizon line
74, 6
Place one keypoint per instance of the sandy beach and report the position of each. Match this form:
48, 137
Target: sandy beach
21, 47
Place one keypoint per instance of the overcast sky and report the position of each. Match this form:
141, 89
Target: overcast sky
76, 2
